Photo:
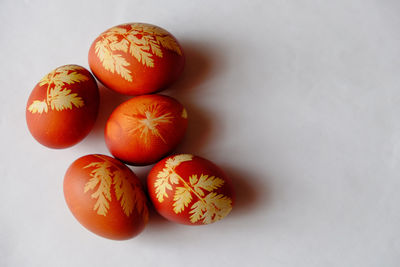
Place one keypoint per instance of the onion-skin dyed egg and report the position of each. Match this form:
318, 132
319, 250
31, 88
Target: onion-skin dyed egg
190, 190
63, 107
145, 128
106, 197
136, 58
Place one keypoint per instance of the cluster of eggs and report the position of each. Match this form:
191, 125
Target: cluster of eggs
103, 194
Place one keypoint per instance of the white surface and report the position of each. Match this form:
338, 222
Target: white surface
298, 101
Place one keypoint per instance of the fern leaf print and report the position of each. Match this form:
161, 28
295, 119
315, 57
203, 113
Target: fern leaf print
58, 97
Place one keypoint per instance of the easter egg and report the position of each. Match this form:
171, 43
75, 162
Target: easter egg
106, 197
145, 128
190, 190
63, 106
136, 58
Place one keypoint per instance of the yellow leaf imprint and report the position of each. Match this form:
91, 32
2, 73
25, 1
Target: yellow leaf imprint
142, 41
184, 113
57, 96
111, 62
168, 176
146, 120
182, 199
38, 107
129, 195
205, 183
101, 177
208, 208
213, 208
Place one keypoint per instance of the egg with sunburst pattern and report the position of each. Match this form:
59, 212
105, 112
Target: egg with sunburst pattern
145, 128
136, 58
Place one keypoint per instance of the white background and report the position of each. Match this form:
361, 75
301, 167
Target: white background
297, 100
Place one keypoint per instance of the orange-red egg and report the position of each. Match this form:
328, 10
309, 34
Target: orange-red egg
106, 197
136, 58
145, 128
63, 107
190, 190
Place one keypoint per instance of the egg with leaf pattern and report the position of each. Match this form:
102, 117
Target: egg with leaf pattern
136, 58
106, 197
63, 106
190, 190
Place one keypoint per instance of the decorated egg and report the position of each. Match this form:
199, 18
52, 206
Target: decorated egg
145, 128
190, 190
63, 107
106, 197
136, 58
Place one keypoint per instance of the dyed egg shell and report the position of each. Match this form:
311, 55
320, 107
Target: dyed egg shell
136, 58
63, 107
106, 197
145, 128
190, 190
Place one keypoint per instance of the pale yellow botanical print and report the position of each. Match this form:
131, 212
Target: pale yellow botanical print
142, 41
57, 96
147, 120
208, 208
211, 207
168, 176
184, 113
104, 174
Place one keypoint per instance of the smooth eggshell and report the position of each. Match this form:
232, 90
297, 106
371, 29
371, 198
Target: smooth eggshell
145, 128
106, 197
136, 58
190, 190
63, 107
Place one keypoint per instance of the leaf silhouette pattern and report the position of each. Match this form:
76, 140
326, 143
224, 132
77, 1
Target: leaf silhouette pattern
104, 174
184, 113
38, 107
208, 208
57, 96
182, 199
205, 183
167, 176
101, 177
63, 99
213, 208
124, 192
142, 41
